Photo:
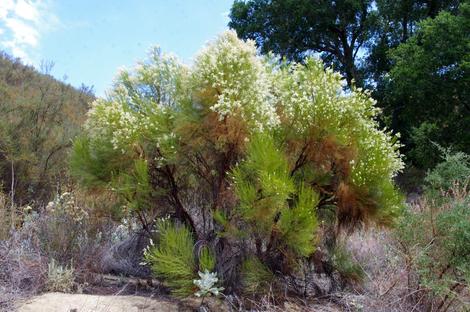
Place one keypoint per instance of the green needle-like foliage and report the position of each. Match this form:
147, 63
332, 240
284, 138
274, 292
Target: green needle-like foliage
172, 258
207, 260
298, 224
256, 276
262, 183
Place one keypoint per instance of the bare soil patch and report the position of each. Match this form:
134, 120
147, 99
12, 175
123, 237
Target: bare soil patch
59, 302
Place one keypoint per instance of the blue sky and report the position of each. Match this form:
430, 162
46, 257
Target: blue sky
89, 40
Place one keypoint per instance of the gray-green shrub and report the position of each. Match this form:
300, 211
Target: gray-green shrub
434, 236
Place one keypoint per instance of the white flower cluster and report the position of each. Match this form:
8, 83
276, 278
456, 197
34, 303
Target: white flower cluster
206, 284
229, 78
65, 204
123, 126
141, 103
234, 75
156, 82
378, 157
313, 97
114, 121
310, 95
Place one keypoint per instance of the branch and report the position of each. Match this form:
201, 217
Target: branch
181, 213
300, 160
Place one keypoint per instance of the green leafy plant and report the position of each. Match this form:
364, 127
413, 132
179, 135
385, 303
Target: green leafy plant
206, 284
455, 168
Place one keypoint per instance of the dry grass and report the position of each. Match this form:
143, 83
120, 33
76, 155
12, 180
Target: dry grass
10, 216
22, 269
385, 287
32, 238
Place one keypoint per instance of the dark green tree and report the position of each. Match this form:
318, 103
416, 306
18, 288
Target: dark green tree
427, 90
337, 30
352, 35
397, 20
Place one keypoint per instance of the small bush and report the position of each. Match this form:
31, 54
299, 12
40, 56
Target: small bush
257, 278
347, 267
60, 278
68, 229
434, 236
172, 258
61, 227
454, 169
23, 268
39, 249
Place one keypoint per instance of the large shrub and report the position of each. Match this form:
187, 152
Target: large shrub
262, 163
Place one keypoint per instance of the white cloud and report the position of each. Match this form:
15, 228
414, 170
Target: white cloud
26, 10
5, 7
22, 23
22, 32
17, 51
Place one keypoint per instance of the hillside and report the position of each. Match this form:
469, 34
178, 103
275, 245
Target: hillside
40, 116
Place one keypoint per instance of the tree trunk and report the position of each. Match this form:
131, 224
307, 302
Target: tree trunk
12, 197
350, 67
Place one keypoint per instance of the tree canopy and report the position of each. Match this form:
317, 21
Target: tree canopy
427, 90
296, 29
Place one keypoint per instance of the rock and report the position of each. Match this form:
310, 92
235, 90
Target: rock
309, 281
210, 304
124, 258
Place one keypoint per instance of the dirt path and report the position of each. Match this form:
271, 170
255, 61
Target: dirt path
58, 302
